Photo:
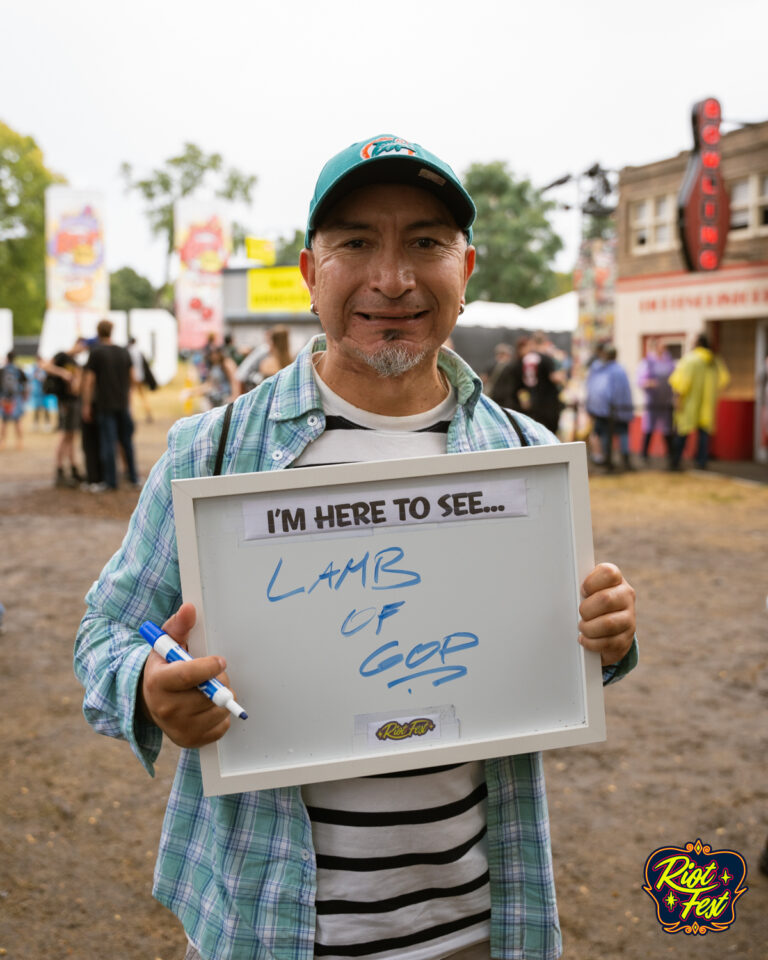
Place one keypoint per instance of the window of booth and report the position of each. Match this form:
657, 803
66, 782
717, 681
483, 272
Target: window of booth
638, 215
749, 206
740, 204
652, 224
762, 202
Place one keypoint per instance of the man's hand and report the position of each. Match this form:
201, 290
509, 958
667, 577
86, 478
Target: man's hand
607, 623
168, 694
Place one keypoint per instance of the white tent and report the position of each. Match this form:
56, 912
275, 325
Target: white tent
483, 313
558, 315
6, 334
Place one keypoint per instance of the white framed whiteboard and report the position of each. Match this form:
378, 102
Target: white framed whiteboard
391, 615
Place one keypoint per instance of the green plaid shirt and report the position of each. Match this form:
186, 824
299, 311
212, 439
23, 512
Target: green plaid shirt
239, 871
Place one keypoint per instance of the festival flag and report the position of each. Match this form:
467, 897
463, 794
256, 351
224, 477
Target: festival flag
203, 241
76, 274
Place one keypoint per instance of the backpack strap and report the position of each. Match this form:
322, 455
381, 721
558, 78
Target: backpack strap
524, 441
222, 441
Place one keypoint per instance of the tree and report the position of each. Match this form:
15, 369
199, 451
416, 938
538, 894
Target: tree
23, 180
128, 290
287, 249
165, 297
181, 176
514, 239
563, 283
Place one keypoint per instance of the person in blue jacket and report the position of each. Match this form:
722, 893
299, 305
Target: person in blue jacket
609, 403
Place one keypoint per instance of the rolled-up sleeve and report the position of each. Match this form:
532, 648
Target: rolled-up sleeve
615, 671
140, 582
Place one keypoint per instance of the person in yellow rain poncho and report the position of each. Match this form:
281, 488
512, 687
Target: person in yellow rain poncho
697, 380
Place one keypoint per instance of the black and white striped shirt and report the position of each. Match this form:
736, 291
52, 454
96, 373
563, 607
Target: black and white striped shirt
402, 862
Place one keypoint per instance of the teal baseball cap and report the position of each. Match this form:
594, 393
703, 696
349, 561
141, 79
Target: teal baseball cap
389, 159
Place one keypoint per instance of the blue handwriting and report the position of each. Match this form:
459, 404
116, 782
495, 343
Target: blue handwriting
419, 654
381, 571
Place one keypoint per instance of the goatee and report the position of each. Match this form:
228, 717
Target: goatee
392, 359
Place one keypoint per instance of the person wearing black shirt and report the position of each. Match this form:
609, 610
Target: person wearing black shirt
67, 375
531, 383
106, 399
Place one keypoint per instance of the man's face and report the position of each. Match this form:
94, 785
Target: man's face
387, 273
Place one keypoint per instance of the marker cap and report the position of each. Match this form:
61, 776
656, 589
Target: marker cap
151, 632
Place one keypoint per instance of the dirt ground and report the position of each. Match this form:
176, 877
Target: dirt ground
685, 756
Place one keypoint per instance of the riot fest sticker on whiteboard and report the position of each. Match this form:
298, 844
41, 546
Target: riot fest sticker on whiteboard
435, 500
381, 730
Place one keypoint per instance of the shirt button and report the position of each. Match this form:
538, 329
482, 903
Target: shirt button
277, 454
305, 855
312, 420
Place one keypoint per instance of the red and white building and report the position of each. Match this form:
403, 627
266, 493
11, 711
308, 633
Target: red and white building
657, 296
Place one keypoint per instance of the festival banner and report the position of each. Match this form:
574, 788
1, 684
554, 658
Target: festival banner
203, 241
76, 275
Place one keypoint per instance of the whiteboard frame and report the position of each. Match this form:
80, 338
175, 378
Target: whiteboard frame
578, 539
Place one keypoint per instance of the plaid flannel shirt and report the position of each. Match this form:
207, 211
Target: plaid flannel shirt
239, 871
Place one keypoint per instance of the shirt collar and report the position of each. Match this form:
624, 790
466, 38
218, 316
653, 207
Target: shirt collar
298, 393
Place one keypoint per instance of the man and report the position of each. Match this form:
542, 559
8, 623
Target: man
442, 862
609, 403
106, 399
13, 396
698, 379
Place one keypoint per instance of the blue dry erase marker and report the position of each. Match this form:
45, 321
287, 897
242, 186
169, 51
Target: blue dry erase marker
171, 651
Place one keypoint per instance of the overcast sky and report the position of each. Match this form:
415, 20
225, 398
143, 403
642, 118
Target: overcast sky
277, 88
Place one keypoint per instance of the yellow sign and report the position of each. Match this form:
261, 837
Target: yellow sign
257, 248
277, 290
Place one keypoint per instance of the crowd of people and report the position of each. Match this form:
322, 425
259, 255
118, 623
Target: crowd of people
679, 397
225, 371
91, 386
92, 392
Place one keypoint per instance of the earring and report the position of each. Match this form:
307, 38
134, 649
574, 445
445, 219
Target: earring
312, 307
461, 309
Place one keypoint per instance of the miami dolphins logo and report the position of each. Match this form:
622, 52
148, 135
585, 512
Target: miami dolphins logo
386, 144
